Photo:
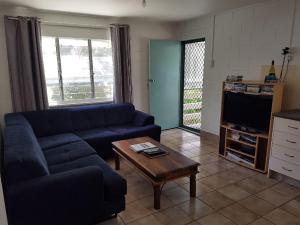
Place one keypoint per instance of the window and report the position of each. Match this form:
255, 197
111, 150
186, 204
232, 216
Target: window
77, 70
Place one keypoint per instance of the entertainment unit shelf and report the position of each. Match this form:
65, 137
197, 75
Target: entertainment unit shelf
249, 149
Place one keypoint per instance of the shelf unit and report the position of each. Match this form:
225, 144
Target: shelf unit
254, 154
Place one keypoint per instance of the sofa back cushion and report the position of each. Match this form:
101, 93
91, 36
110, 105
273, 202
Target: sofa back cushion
118, 114
23, 157
87, 117
97, 116
49, 122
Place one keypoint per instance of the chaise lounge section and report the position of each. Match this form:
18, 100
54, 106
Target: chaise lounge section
54, 166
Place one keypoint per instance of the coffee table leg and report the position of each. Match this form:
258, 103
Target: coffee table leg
117, 161
193, 185
157, 190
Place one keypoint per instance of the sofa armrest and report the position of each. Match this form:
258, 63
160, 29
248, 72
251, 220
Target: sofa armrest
67, 198
142, 119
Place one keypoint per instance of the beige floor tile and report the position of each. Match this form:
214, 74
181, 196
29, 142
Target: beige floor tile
239, 214
143, 207
213, 168
133, 179
170, 185
273, 197
216, 200
174, 216
193, 223
200, 188
292, 207
140, 191
182, 181
214, 219
136, 210
196, 208
215, 181
261, 221
234, 192
286, 189
257, 205
148, 220
114, 221
207, 158
176, 195
233, 175
202, 174
256, 183
281, 217
227, 164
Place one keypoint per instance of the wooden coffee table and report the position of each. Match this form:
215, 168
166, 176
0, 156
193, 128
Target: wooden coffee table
158, 170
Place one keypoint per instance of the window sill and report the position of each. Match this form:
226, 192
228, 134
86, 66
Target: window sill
79, 104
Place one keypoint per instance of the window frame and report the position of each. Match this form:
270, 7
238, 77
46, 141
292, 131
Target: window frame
92, 76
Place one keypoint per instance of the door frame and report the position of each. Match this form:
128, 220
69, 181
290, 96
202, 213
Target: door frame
183, 43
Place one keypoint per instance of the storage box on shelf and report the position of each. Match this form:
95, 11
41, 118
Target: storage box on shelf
249, 149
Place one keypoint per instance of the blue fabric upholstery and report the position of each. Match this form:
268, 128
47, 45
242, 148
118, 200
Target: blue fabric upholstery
74, 197
53, 174
119, 114
131, 131
57, 140
87, 117
68, 152
114, 185
142, 119
49, 122
100, 139
23, 156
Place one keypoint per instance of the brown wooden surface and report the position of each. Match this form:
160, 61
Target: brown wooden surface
276, 107
170, 166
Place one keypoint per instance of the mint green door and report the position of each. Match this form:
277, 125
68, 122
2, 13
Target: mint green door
164, 82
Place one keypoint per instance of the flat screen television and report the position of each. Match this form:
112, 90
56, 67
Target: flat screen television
250, 111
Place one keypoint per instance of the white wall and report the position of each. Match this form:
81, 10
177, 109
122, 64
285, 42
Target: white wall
245, 39
141, 33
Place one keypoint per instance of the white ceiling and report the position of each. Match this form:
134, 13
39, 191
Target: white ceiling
165, 10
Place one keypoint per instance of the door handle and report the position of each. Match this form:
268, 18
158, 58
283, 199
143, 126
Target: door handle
292, 142
151, 80
295, 128
289, 170
287, 155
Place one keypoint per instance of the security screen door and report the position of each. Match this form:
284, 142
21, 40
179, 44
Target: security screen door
193, 53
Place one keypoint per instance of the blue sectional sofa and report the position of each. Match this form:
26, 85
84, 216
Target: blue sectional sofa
54, 170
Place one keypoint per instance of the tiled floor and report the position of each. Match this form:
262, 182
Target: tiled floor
227, 194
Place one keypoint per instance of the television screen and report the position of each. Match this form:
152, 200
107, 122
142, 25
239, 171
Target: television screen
251, 111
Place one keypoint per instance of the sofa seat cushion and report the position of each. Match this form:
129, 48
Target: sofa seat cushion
99, 133
114, 185
57, 140
132, 131
68, 152
100, 139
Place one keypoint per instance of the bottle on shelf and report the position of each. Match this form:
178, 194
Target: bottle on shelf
271, 77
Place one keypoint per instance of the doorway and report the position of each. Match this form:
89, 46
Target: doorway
193, 57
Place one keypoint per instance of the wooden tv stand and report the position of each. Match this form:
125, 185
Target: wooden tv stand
230, 145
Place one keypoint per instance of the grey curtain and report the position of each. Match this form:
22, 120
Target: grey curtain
28, 86
122, 63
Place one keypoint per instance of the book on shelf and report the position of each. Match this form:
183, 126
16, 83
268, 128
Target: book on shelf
239, 158
142, 146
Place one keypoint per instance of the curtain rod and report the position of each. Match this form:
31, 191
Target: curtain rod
68, 24
18, 18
